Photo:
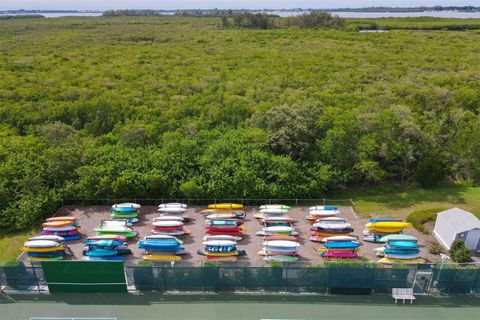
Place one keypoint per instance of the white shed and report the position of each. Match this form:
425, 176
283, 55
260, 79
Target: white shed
456, 224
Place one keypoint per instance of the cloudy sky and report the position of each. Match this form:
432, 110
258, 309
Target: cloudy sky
233, 4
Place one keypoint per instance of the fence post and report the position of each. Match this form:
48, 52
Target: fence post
245, 277
296, 202
324, 200
36, 278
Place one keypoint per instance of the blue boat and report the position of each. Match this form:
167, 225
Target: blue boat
380, 219
123, 209
110, 258
401, 251
100, 252
103, 243
223, 222
402, 245
342, 245
71, 237
330, 208
50, 254
159, 244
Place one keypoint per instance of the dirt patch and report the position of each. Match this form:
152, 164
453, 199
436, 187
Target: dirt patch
90, 217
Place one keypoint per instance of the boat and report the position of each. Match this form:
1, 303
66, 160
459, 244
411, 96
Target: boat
280, 250
159, 244
59, 233
117, 215
127, 205
388, 226
281, 244
161, 236
342, 245
40, 243
235, 233
59, 223
180, 232
224, 222
225, 206
266, 253
278, 229
173, 209
323, 213
47, 237
45, 259
62, 218
339, 254
276, 219
161, 257
280, 258
340, 238
401, 245
173, 205
49, 254
127, 233
218, 254
407, 261
323, 208
213, 216
64, 228
106, 258
264, 233
100, 252
167, 224
383, 219
123, 210
395, 251
274, 211
226, 259
212, 211
169, 218
330, 231
103, 243
397, 237
46, 249
325, 234
108, 237
274, 206
222, 237
280, 237
332, 225
402, 256
220, 243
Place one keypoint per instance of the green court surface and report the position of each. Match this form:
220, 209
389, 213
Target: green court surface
139, 307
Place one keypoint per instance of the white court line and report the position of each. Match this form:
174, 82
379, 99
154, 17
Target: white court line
69, 318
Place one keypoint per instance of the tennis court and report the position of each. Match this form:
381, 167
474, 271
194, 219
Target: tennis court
139, 307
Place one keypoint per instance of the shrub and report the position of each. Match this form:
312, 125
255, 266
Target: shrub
459, 252
435, 248
316, 20
419, 218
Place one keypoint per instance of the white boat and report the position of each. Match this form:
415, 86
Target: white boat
135, 206
159, 236
323, 213
221, 237
214, 216
64, 228
328, 208
41, 244
274, 211
331, 220
340, 238
169, 218
278, 229
402, 256
264, 233
277, 219
279, 249
160, 223
281, 243
173, 209
47, 237
169, 233
173, 205
322, 225
219, 243
274, 206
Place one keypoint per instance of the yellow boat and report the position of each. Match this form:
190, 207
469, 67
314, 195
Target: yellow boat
221, 254
49, 249
206, 211
45, 258
225, 206
161, 257
388, 226
410, 261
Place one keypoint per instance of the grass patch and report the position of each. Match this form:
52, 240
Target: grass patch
11, 243
419, 218
400, 203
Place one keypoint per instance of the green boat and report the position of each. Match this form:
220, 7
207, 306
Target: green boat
281, 259
128, 234
118, 215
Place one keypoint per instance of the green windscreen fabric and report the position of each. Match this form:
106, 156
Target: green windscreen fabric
84, 276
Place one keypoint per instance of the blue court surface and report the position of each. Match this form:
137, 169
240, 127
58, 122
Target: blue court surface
156, 306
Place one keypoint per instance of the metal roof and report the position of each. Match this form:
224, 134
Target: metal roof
459, 220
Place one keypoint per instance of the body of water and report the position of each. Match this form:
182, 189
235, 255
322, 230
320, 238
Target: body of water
343, 14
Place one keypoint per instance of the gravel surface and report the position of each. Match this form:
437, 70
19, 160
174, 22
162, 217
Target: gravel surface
90, 217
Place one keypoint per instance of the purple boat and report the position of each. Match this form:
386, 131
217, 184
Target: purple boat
340, 254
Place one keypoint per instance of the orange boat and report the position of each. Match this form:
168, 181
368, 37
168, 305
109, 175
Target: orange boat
328, 234
58, 223
281, 237
63, 218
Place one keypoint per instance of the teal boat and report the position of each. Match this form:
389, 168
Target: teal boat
398, 237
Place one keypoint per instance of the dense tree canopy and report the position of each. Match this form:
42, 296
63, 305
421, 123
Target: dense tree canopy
150, 107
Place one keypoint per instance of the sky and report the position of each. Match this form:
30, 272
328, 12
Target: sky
223, 4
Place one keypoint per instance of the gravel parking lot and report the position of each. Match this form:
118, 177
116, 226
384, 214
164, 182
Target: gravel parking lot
91, 216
